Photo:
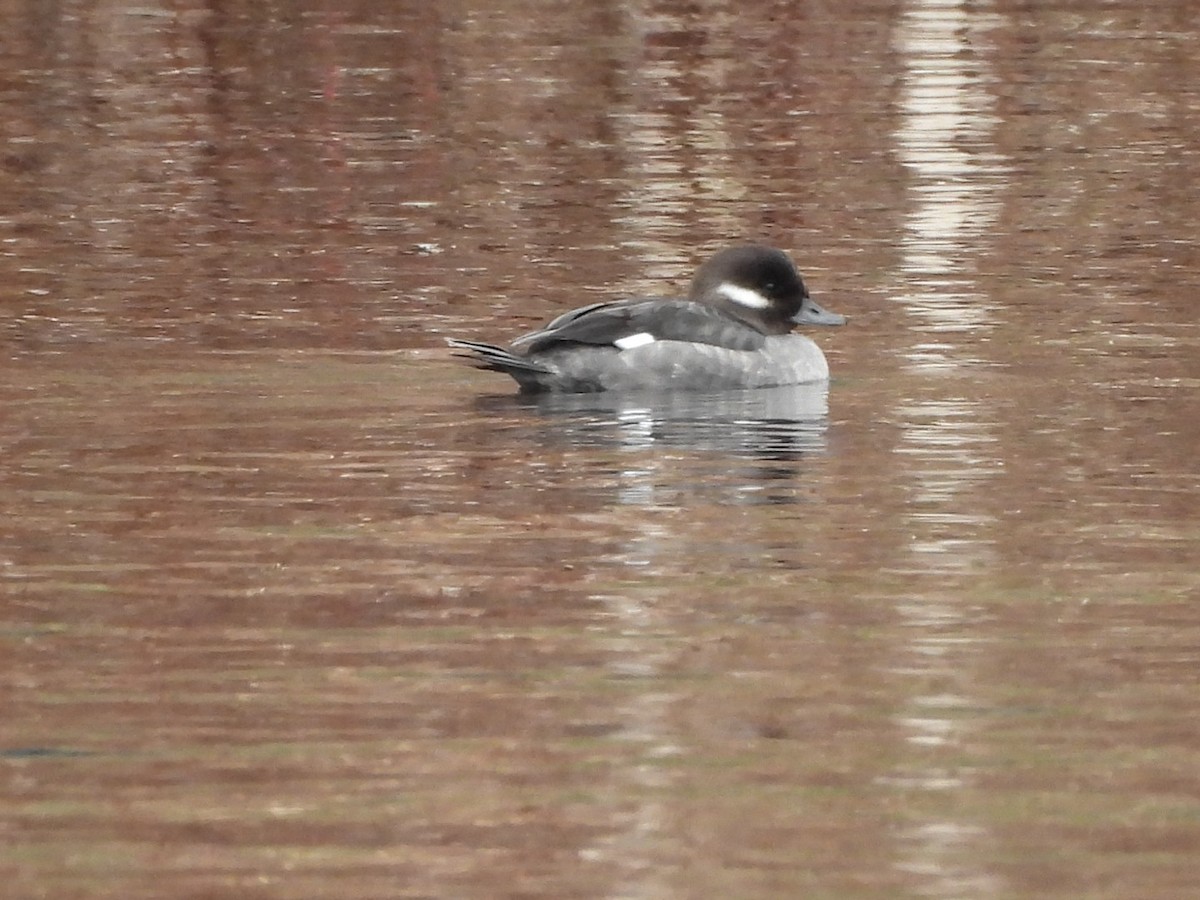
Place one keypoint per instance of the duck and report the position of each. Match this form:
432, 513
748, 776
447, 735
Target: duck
732, 331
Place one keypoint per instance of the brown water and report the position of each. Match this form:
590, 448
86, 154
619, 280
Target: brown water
295, 606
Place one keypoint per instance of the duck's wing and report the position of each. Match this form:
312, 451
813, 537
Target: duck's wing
630, 323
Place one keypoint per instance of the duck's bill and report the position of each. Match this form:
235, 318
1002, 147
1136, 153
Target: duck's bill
812, 314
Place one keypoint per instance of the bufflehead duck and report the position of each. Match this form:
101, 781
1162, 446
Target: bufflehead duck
732, 331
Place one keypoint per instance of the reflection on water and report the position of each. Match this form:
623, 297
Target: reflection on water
779, 423
753, 441
955, 178
679, 143
732, 447
955, 174
948, 449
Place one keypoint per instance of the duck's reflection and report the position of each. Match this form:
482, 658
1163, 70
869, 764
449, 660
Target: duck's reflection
767, 423
657, 449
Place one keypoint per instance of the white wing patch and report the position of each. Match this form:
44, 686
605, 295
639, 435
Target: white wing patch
743, 296
634, 340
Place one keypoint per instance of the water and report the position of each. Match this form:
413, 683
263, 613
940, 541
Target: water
294, 605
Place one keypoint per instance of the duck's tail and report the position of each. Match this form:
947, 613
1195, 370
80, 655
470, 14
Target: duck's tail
489, 356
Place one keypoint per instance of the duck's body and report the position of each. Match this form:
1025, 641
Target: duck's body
732, 331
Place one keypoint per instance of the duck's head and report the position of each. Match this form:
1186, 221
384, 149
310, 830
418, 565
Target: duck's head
759, 285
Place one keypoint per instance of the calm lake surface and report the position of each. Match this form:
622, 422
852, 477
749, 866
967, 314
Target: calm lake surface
295, 605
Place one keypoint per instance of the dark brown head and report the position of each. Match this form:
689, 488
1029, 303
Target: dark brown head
760, 286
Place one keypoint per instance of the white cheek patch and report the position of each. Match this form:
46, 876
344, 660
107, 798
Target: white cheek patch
743, 296
641, 339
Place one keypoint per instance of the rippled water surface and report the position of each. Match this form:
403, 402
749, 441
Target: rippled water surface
294, 605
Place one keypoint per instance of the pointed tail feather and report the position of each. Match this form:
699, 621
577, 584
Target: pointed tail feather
489, 356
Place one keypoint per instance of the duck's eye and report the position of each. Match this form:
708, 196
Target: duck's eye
770, 286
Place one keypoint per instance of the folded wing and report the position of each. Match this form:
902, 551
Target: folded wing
630, 323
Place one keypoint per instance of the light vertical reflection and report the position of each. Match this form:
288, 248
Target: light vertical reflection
945, 143
678, 162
